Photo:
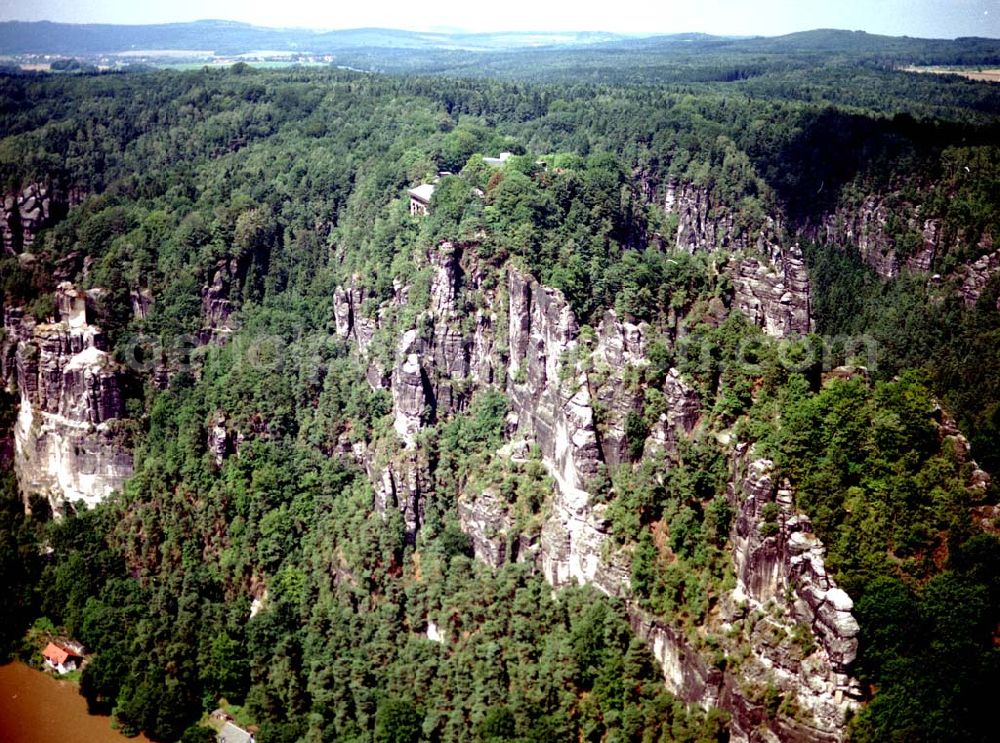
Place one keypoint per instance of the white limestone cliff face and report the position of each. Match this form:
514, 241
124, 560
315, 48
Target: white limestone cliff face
69, 441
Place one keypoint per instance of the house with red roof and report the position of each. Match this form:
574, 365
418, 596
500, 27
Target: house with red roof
60, 659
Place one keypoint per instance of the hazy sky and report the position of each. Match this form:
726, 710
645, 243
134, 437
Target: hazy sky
931, 18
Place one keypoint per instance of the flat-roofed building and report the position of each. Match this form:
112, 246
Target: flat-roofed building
420, 199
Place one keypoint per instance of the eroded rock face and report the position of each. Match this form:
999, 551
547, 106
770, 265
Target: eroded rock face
705, 224
774, 292
682, 415
437, 365
864, 227
551, 405
554, 379
770, 280
489, 524
549, 394
620, 346
976, 276
142, 303
69, 437
26, 212
216, 305
782, 587
873, 227
411, 403
220, 440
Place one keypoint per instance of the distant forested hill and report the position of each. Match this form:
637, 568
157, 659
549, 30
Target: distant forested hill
230, 37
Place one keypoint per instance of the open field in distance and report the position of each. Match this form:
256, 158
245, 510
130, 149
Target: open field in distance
990, 76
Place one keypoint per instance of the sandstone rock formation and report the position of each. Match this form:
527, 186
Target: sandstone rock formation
435, 367
705, 224
69, 437
37, 206
976, 276
216, 305
220, 440
772, 285
773, 292
873, 227
554, 380
682, 415
770, 280
781, 582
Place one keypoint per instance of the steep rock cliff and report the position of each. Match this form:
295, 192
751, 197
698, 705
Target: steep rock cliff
704, 223
554, 379
37, 206
773, 292
436, 366
890, 232
782, 588
69, 438
976, 276
872, 226
770, 280
551, 406
216, 302
893, 234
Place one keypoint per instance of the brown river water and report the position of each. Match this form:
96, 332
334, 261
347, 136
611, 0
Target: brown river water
38, 708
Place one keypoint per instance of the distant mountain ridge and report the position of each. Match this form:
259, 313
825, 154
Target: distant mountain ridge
568, 53
231, 37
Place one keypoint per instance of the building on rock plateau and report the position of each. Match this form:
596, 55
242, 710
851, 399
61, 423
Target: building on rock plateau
420, 199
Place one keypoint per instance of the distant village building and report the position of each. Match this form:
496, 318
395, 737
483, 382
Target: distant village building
60, 659
496, 162
420, 199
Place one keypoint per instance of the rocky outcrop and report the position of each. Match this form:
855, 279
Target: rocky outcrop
411, 396
220, 440
487, 520
70, 434
451, 351
949, 432
142, 303
554, 379
349, 318
550, 399
232, 280
773, 292
770, 280
551, 406
866, 227
703, 223
975, 276
683, 412
800, 625
619, 346
874, 227
216, 303
26, 212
